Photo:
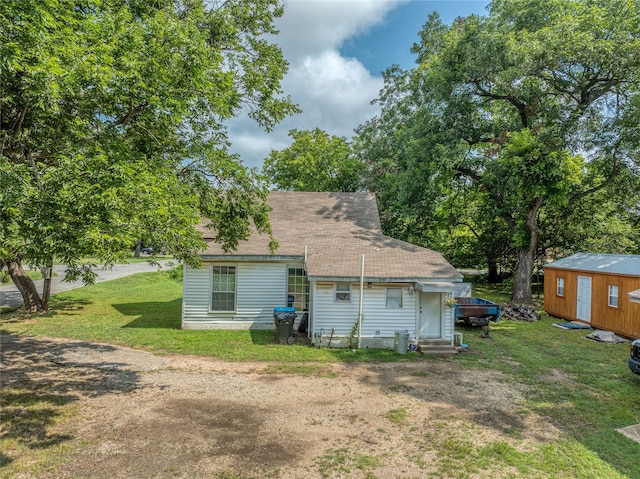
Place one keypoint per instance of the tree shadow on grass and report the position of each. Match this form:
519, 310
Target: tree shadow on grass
58, 306
164, 315
41, 377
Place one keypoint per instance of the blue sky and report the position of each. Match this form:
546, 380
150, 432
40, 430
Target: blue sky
390, 41
336, 51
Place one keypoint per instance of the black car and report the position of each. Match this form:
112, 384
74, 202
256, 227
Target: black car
634, 360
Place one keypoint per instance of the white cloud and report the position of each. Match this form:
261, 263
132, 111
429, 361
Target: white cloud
334, 92
312, 26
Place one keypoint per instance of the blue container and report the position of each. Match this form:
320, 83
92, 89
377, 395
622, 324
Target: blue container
284, 309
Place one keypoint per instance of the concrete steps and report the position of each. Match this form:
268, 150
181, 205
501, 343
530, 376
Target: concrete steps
436, 347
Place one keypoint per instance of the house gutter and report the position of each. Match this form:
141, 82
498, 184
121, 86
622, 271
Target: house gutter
382, 279
251, 257
360, 302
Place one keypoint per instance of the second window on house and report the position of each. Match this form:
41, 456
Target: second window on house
343, 291
560, 288
297, 289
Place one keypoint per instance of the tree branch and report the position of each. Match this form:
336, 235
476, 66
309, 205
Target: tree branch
34, 169
17, 125
131, 113
520, 106
615, 171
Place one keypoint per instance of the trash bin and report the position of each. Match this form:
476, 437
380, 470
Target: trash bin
401, 342
284, 318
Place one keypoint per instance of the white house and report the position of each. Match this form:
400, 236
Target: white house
332, 261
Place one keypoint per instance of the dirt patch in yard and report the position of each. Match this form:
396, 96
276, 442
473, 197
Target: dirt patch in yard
140, 415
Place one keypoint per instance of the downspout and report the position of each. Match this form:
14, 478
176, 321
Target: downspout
360, 303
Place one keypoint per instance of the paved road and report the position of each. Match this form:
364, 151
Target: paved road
10, 296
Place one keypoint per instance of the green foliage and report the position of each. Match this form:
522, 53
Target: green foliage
482, 137
315, 161
175, 272
352, 340
113, 125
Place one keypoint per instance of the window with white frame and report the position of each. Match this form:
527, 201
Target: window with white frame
343, 291
560, 287
223, 291
297, 289
613, 295
394, 297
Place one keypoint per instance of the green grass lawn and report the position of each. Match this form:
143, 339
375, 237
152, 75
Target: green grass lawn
143, 311
583, 387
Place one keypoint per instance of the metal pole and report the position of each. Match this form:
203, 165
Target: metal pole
360, 303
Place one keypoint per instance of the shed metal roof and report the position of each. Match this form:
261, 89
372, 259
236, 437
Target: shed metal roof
627, 264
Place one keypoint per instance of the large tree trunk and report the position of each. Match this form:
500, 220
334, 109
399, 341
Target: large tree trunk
522, 277
25, 285
136, 253
526, 256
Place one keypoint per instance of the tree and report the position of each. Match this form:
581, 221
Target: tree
113, 127
467, 232
599, 224
315, 161
533, 106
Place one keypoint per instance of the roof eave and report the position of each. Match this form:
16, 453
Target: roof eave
382, 279
250, 257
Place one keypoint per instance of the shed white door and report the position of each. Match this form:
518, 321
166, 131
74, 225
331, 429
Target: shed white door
583, 312
430, 326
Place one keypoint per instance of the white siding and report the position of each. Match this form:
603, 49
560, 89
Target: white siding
260, 287
448, 329
196, 287
377, 321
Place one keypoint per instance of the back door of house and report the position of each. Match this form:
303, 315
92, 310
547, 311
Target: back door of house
583, 310
430, 326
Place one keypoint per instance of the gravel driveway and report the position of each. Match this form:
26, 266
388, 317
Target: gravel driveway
142, 415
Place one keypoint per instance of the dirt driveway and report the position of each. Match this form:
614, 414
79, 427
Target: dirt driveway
140, 415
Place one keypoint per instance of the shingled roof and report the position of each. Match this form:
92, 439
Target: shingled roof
337, 229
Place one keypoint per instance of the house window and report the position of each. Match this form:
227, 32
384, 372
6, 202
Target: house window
343, 291
297, 289
223, 296
560, 288
394, 297
613, 296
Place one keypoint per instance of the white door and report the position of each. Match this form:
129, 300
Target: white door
583, 312
430, 326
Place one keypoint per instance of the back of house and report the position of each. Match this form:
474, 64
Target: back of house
334, 264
